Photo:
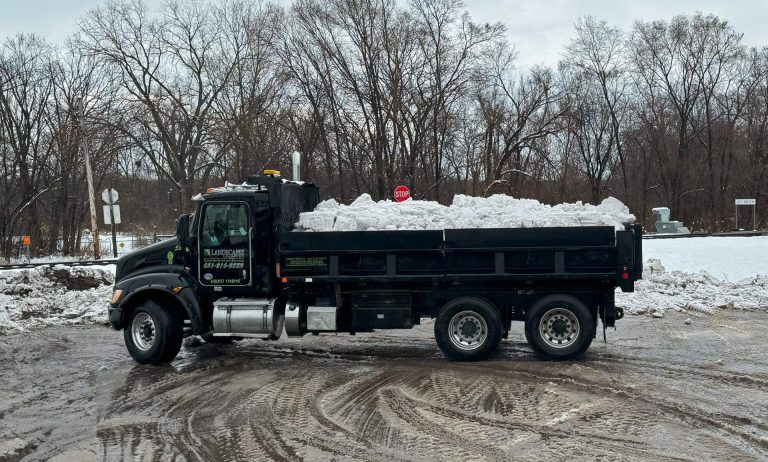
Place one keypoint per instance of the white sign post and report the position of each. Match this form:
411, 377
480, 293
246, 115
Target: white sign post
111, 214
753, 203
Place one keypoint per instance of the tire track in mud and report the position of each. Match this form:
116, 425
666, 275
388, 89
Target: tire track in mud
393, 398
529, 419
727, 424
325, 408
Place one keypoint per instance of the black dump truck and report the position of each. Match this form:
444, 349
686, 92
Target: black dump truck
236, 269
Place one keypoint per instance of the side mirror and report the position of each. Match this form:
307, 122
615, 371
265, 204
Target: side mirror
182, 230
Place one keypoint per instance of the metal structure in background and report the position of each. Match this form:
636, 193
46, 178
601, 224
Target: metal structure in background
746, 202
664, 225
89, 176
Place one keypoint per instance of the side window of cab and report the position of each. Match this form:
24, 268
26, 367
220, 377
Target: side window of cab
224, 225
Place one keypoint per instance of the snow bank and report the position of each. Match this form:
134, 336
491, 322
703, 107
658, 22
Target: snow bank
497, 211
728, 258
661, 290
46, 296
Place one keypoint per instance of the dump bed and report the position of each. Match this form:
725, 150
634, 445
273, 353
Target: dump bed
583, 253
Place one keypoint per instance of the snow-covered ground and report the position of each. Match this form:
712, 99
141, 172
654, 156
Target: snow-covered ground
126, 243
701, 274
728, 258
497, 211
662, 290
46, 296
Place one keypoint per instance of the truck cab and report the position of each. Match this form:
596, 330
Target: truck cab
225, 249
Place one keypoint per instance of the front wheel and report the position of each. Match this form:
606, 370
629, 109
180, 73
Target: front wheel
153, 334
468, 329
559, 327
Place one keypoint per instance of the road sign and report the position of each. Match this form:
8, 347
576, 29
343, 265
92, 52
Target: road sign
111, 210
108, 216
110, 196
753, 203
402, 193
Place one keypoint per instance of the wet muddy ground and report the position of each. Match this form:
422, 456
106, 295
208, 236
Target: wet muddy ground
660, 389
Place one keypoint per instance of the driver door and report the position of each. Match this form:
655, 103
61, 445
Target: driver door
224, 244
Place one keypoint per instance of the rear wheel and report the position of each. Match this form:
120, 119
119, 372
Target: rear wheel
154, 333
559, 327
468, 329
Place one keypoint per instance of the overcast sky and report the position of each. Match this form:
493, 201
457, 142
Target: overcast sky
539, 29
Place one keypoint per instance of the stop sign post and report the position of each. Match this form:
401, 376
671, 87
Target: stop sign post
402, 193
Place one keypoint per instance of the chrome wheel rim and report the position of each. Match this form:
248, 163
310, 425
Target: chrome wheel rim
468, 330
143, 331
559, 328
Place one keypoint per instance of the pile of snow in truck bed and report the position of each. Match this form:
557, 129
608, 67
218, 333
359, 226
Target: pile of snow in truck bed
497, 211
47, 296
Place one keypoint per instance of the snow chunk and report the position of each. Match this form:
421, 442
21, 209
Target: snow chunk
497, 211
45, 296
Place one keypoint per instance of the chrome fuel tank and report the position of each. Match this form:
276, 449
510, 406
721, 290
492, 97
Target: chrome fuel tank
248, 316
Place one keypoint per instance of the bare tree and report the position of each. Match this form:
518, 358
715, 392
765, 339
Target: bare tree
172, 68
25, 95
598, 52
77, 78
588, 117
530, 112
375, 93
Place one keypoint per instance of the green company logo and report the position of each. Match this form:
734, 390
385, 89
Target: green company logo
169, 256
207, 252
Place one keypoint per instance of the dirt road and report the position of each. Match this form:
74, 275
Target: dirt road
660, 390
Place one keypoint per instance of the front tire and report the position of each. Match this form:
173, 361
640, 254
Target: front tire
468, 329
153, 334
559, 327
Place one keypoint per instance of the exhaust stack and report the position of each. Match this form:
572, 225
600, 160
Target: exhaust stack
296, 157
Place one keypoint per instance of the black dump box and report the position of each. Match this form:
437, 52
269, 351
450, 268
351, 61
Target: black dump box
572, 253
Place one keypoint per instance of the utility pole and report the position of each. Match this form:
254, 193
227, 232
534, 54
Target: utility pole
89, 176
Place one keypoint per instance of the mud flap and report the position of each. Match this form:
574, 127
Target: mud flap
604, 337
609, 313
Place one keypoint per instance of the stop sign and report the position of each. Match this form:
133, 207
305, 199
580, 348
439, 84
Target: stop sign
402, 193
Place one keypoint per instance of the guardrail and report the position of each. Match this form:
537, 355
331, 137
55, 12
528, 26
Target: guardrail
56, 263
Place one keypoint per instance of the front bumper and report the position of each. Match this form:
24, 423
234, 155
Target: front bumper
115, 314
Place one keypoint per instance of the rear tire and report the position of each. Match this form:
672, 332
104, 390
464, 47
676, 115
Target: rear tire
468, 329
154, 333
559, 327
